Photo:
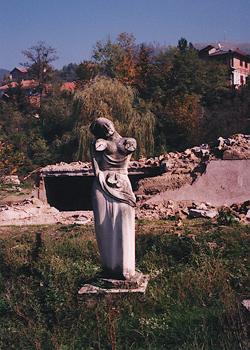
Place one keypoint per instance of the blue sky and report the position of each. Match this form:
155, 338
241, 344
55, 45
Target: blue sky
73, 27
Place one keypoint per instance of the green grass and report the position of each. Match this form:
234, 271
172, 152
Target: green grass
199, 276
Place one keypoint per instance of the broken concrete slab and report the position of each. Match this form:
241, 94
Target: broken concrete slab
205, 213
223, 182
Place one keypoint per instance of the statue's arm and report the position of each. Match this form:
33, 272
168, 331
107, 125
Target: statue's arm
130, 145
97, 145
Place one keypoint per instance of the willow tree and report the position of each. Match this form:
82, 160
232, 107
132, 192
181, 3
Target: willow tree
108, 98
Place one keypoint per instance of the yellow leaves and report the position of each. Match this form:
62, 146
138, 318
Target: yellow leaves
126, 67
186, 111
10, 160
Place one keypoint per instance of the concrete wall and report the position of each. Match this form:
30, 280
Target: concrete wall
223, 182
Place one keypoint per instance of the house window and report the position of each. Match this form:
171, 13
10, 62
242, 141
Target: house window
241, 63
245, 64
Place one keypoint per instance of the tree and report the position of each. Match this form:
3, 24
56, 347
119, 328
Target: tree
143, 68
185, 115
106, 97
117, 59
68, 73
126, 68
10, 160
158, 81
217, 84
86, 71
39, 61
187, 75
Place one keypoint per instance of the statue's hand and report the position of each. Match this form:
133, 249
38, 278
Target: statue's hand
130, 145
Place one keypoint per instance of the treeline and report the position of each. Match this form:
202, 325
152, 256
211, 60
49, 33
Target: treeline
167, 99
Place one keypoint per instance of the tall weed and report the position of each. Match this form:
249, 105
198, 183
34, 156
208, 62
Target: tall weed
199, 274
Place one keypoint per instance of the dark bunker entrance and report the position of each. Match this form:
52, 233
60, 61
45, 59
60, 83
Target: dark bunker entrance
71, 193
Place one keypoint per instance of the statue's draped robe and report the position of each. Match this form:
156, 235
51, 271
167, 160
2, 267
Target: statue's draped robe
114, 212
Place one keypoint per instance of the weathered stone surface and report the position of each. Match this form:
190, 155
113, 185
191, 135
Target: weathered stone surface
234, 147
206, 213
137, 284
224, 182
177, 170
248, 215
233, 154
113, 198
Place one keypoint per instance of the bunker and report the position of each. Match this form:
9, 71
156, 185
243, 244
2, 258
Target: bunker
67, 187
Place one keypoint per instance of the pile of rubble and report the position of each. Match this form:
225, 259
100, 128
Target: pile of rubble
182, 168
234, 147
185, 209
241, 211
34, 212
169, 171
166, 172
176, 210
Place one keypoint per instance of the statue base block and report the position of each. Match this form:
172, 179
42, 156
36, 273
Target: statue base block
136, 284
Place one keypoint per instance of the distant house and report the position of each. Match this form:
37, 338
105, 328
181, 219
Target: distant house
28, 85
18, 74
238, 61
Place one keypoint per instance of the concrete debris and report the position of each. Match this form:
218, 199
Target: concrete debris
241, 211
205, 213
234, 147
248, 215
167, 172
183, 168
35, 212
11, 179
180, 210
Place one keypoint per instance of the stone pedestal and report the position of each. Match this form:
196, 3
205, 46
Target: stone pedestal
136, 284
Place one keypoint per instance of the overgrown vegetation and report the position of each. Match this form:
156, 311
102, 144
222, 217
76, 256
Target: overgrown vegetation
199, 274
168, 99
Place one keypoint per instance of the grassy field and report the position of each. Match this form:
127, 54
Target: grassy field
199, 274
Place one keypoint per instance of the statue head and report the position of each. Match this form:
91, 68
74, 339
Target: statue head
102, 128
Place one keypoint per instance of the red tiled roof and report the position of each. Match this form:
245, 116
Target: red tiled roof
23, 70
24, 83
5, 87
220, 52
69, 86
241, 52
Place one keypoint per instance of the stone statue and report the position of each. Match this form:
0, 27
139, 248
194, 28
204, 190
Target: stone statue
113, 199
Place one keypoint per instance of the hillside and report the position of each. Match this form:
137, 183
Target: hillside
2, 72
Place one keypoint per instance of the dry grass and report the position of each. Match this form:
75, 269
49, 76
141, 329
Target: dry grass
199, 276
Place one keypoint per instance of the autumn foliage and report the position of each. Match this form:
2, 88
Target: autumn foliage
166, 97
